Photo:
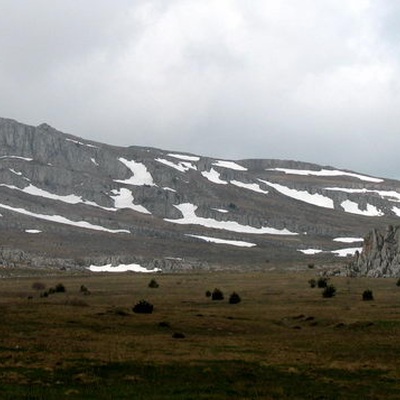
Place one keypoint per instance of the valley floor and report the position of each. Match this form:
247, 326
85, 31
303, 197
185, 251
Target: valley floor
282, 341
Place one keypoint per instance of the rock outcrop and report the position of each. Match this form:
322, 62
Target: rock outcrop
380, 256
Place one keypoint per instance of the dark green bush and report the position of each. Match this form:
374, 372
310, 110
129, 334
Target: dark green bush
208, 293
322, 282
312, 283
60, 288
153, 284
84, 290
367, 295
143, 307
234, 298
217, 294
398, 282
329, 291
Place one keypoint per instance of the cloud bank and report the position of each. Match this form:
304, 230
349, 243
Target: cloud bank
311, 81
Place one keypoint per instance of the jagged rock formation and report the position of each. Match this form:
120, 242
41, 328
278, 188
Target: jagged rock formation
83, 202
380, 256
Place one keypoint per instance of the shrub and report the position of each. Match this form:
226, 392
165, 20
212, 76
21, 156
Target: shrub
60, 288
84, 290
178, 335
153, 284
322, 282
143, 307
217, 295
38, 286
398, 282
311, 266
367, 295
329, 291
234, 298
312, 283
208, 293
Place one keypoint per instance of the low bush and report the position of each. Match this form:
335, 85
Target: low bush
398, 282
367, 295
322, 282
217, 295
60, 288
178, 335
312, 283
234, 298
329, 291
84, 290
208, 293
153, 284
143, 307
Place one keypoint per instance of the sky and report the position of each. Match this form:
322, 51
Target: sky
311, 80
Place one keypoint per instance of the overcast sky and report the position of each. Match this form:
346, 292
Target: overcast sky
310, 80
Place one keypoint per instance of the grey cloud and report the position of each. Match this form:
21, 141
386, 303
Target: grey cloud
313, 81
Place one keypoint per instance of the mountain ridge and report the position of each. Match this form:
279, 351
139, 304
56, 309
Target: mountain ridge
149, 205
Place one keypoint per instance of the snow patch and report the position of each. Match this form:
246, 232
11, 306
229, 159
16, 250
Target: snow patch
249, 186
348, 239
326, 172
221, 210
229, 165
190, 217
15, 172
214, 176
310, 251
390, 195
69, 199
351, 251
168, 189
184, 157
123, 198
315, 199
121, 268
32, 231
237, 243
396, 210
18, 158
81, 143
182, 166
352, 208
140, 175
93, 160
62, 220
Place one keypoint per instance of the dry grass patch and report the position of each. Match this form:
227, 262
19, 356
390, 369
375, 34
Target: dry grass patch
281, 324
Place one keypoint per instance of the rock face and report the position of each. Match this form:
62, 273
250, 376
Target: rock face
380, 256
69, 201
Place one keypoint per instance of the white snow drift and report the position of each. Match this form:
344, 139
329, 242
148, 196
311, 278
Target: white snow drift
123, 198
141, 176
214, 176
326, 172
237, 243
229, 165
189, 217
62, 220
121, 268
315, 199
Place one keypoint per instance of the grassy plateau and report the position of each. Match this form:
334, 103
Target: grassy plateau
284, 340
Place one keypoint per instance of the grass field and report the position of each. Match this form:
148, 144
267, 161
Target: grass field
282, 341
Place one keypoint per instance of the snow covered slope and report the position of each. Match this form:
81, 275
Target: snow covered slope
90, 202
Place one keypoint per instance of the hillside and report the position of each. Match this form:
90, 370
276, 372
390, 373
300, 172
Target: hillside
70, 202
